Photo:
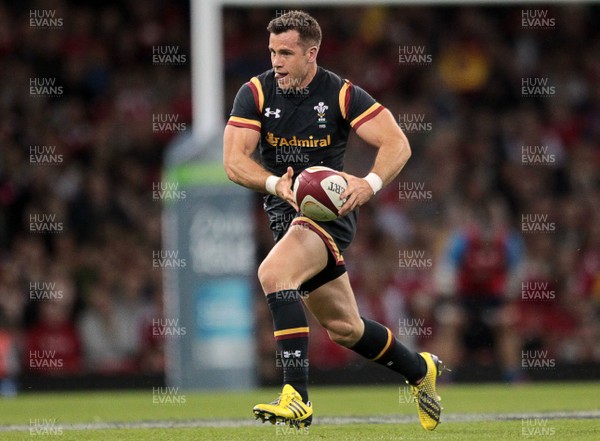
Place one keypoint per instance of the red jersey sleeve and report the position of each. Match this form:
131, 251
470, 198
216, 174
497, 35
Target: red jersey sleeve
356, 105
247, 106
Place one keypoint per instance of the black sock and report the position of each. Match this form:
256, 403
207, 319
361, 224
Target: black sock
291, 332
378, 344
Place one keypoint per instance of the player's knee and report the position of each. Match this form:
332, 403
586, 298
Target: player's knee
272, 278
342, 332
266, 277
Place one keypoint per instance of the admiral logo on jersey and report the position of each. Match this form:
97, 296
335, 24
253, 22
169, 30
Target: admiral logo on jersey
282, 141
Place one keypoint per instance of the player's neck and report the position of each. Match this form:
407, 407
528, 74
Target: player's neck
312, 72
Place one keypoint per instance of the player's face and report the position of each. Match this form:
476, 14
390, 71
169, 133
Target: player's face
291, 62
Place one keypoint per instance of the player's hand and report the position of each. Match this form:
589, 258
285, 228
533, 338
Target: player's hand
358, 193
284, 188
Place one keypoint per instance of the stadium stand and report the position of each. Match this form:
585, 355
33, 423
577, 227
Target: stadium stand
476, 144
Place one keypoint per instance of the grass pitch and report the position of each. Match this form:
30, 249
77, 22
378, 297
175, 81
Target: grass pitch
472, 412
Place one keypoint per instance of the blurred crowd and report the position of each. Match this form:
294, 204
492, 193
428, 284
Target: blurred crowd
79, 224
79, 156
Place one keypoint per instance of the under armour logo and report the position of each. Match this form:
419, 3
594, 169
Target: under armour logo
268, 112
288, 354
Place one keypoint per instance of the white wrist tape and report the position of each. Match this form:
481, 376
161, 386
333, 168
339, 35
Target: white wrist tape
374, 181
271, 183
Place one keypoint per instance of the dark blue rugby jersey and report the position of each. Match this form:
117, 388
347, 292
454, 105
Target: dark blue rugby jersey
302, 127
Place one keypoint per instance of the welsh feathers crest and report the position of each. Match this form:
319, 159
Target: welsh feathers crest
321, 108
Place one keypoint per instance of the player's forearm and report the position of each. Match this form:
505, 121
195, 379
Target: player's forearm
247, 172
391, 158
239, 146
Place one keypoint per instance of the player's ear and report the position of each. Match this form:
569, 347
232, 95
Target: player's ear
312, 53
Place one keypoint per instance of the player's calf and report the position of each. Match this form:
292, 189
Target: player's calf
344, 332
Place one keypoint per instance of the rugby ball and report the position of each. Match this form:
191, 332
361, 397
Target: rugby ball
317, 193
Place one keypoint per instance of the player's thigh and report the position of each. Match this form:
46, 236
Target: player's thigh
335, 308
298, 256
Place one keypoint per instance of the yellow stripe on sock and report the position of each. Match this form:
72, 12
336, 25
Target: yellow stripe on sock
387, 345
291, 331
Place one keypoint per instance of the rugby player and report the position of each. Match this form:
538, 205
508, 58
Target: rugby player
300, 107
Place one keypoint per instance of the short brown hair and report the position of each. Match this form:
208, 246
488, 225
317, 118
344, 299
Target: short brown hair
308, 28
